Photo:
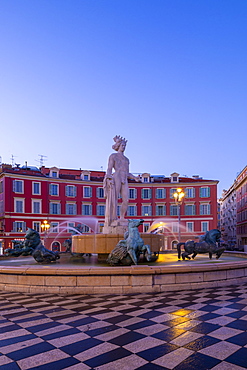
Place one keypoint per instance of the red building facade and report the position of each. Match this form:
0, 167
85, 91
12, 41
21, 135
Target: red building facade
69, 199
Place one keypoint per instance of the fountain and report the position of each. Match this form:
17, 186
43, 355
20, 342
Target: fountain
94, 277
115, 186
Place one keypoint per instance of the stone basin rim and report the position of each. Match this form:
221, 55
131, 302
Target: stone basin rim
122, 279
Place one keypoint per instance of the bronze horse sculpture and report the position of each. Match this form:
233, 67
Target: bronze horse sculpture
33, 246
128, 251
208, 243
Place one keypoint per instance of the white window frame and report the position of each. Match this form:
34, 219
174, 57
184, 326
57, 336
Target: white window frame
99, 208
83, 209
37, 223
188, 228
206, 190
190, 192
33, 186
163, 213
68, 206
132, 191
70, 191
22, 200
39, 201
149, 210
163, 191
15, 185
100, 192
204, 230
89, 190
132, 210
54, 227
52, 187
148, 191
58, 207
208, 209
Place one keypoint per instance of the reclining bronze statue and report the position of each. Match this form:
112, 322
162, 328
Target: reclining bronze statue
128, 251
209, 243
32, 245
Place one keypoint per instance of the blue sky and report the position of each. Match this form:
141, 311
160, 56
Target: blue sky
168, 75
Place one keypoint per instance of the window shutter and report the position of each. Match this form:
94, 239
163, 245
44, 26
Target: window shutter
97, 194
142, 193
24, 226
149, 193
50, 189
67, 190
14, 186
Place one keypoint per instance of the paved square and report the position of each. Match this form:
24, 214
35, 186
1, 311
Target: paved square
197, 329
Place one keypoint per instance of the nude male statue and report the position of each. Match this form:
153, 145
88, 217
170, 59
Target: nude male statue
117, 183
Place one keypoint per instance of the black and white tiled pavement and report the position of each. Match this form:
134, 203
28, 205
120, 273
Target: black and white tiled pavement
200, 329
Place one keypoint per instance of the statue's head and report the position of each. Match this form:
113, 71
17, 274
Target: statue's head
119, 141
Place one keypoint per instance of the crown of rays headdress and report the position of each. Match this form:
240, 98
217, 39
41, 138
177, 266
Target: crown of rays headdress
119, 139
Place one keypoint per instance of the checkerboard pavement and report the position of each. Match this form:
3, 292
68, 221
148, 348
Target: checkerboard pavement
199, 329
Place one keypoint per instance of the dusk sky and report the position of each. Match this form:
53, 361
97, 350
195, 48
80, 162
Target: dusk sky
168, 75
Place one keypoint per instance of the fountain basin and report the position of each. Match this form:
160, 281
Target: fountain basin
157, 277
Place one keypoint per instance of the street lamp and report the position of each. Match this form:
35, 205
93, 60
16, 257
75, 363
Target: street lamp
178, 196
45, 227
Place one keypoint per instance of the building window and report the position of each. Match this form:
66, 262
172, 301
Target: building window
160, 210
146, 194
172, 191
205, 192
55, 208
53, 189
146, 210
190, 192
19, 205
36, 226
1, 207
189, 209
132, 193
190, 227
19, 227
160, 193
100, 210
36, 206
54, 227
175, 227
1, 186
86, 209
70, 209
101, 226
87, 192
205, 209
146, 227
131, 211
70, 190
118, 210
173, 210
36, 188
18, 186
204, 226
100, 193
54, 174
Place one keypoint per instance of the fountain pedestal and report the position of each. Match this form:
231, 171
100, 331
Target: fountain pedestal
105, 243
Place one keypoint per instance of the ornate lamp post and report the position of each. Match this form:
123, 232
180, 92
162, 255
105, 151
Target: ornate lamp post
45, 227
178, 196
